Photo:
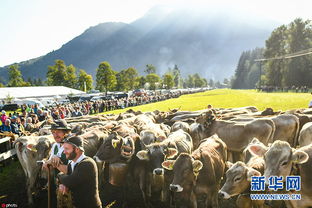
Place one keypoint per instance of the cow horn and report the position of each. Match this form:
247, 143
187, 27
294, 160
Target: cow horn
143, 145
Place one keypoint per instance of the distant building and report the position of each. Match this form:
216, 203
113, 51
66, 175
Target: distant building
37, 92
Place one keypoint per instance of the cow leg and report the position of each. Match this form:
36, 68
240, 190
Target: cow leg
193, 200
143, 186
31, 185
30, 188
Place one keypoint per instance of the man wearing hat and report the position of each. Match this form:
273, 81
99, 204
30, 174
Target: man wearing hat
81, 176
59, 130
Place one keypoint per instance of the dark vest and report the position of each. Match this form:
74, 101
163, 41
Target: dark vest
63, 160
83, 183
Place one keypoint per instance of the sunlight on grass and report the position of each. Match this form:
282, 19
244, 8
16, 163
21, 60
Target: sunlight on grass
227, 98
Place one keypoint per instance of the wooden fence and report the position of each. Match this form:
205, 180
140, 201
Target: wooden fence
6, 148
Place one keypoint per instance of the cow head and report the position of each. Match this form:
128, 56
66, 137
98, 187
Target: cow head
161, 117
41, 149
78, 129
116, 148
155, 154
120, 117
238, 178
207, 118
174, 110
267, 112
185, 171
279, 158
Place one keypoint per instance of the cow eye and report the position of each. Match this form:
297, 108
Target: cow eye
284, 163
238, 179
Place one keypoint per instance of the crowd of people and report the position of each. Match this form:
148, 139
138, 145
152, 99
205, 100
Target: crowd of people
31, 115
293, 88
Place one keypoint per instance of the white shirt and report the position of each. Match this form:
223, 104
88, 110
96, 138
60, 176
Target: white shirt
82, 156
60, 150
310, 104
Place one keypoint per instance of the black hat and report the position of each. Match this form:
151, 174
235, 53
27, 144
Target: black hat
60, 124
77, 141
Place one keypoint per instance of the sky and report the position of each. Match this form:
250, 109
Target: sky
32, 28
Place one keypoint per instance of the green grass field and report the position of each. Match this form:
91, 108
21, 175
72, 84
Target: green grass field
227, 98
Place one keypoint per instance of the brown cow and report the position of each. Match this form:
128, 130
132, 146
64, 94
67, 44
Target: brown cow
92, 139
238, 178
237, 135
305, 136
117, 148
31, 149
280, 160
155, 153
198, 132
198, 173
286, 127
119, 152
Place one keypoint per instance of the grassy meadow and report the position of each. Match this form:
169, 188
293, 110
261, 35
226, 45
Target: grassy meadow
228, 98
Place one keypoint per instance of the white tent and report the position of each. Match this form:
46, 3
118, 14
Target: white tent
37, 92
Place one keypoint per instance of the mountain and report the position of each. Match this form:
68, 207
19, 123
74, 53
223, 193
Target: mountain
204, 41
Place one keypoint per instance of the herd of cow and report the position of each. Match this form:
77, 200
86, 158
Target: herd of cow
188, 159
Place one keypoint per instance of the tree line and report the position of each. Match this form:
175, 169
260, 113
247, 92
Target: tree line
285, 39
106, 78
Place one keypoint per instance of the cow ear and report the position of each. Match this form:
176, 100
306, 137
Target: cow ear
168, 164
171, 152
197, 166
229, 164
257, 150
255, 141
143, 155
31, 147
252, 172
300, 157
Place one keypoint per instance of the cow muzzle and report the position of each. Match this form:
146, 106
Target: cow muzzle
126, 151
158, 171
175, 188
223, 195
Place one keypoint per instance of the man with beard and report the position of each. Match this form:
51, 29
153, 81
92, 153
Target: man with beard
81, 176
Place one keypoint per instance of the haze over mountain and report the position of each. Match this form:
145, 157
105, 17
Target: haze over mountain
204, 41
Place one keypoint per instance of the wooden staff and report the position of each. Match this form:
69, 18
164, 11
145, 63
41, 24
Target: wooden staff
49, 187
